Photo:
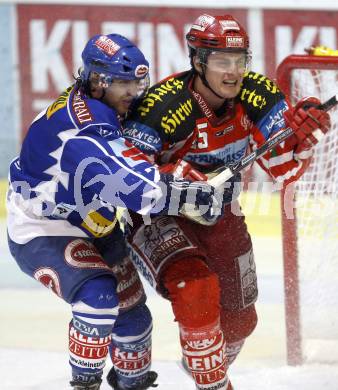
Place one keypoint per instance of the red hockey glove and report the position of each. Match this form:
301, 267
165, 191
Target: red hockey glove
308, 122
183, 170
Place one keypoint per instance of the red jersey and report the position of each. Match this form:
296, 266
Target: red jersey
174, 121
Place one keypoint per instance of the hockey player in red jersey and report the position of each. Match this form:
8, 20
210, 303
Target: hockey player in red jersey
193, 123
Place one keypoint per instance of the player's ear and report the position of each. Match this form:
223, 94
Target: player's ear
96, 91
197, 64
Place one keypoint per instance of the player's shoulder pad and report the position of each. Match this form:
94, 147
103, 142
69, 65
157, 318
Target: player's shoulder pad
259, 94
158, 98
142, 136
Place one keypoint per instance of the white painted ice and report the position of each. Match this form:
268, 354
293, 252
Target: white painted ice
33, 336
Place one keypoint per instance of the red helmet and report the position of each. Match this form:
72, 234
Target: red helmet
217, 33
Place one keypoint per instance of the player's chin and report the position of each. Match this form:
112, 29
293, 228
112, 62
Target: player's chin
123, 107
229, 91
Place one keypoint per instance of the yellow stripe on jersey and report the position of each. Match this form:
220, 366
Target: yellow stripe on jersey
98, 225
60, 102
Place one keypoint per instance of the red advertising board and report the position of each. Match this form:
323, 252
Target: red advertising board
51, 38
290, 32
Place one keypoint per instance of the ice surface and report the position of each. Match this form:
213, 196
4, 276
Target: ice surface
33, 336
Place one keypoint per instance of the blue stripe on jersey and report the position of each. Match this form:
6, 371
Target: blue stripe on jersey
273, 121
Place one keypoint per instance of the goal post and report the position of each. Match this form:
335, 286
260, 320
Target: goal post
310, 235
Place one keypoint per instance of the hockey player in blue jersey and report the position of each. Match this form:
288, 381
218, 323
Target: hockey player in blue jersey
73, 170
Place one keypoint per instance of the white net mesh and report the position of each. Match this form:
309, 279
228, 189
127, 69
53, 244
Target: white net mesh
317, 227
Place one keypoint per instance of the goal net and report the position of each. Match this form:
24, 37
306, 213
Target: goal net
310, 239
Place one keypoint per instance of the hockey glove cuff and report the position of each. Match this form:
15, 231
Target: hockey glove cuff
309, 123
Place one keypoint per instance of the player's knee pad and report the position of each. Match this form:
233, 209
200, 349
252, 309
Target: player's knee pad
95, 309
131, 346
193, 291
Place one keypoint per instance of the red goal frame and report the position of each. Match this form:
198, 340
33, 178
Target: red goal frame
290, 248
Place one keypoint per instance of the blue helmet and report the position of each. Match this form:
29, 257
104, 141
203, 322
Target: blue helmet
113, 57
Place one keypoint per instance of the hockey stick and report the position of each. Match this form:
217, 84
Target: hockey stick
231, 170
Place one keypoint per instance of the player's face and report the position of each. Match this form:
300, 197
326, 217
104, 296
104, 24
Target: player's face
225, 71
121, 93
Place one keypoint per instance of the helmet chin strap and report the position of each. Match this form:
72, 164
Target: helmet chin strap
103, 94
205, 82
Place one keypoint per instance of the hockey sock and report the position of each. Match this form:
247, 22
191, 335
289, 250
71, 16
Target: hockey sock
194, 293
232, 350
204, 354
95, 309
131, 347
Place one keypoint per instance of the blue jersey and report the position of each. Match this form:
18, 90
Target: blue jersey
74, 169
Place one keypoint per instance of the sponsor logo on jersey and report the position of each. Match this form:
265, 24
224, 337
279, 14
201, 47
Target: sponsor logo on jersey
80, 253
234, 41
59, 103
227, 130
246, 122
49, 278
142, 136
253, 98
81, 109
172, 85
107, 45
225, 155
104, 132
276, 119
141, 71
62, 210
174, 117
203, 105
259, 79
